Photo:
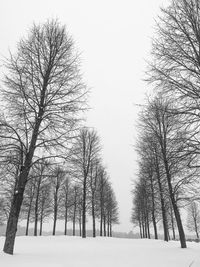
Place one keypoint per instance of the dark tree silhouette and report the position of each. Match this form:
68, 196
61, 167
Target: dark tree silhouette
43, 94
85, 151
175, 67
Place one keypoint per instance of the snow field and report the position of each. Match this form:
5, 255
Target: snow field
61, 251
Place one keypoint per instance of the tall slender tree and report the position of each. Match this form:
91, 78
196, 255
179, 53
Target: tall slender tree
85, 151
43, 94
175, 65
93, 191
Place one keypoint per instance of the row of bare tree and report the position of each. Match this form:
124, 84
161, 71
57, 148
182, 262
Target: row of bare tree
45, 153
55, 192
168, 143
165, 178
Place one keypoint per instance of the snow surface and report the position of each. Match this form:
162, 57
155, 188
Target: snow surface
61, 251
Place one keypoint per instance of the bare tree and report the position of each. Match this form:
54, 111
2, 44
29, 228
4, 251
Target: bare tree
102, 187
85, 150
151, 171
111, 210
170, 136
80, 210
175, 67
43, 94
193, 220
93, 191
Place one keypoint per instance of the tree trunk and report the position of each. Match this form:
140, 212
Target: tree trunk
28, 220
35, 225
36, 209
110, 229
154, 226
54, 221
173, 231
84, 210
12, 222
164, 216
140, 229
55, 217
41, 223
74, 218
15, 208
19, 193
196, 228
148, 231
104, 225
143, 228
66, 213
147, 223
101, 223
197, 234
153, 210
80, 229
164, 219
55, 210
174, 205
65, 231
179, 225
93, 218
74, 226
169, 234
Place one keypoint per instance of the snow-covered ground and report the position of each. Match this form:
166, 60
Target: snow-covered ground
63, 251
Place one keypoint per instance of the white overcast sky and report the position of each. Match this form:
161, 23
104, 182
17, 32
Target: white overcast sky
114, 37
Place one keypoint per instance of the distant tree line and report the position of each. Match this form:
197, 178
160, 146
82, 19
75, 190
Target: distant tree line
50, 165
168, 143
